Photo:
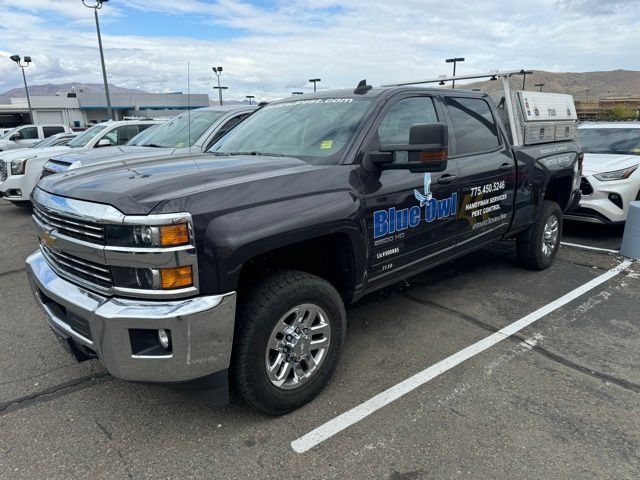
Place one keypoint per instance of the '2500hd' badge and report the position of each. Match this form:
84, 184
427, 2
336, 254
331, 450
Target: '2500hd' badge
394, 220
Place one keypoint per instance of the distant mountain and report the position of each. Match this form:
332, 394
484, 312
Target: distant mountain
614, 83
53, 88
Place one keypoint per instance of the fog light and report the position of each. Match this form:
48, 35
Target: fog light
164, 337
616, 199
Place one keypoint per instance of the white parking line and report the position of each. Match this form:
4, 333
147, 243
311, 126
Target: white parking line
587, 247
350, 417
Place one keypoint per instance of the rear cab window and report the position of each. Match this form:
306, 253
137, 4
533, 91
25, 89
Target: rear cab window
49, 131
473, 124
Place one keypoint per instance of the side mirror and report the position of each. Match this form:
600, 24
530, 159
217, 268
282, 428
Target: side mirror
15, 137
103, 142
428, 150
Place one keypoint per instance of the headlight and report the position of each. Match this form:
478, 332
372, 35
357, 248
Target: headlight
18, 166
153, 278
616, 175
147, 236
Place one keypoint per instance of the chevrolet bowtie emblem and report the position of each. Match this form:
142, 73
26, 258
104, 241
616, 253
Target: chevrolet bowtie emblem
48, 240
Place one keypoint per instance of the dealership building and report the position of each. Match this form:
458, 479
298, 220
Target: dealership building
80, 109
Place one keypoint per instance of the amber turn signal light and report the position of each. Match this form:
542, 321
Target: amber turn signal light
171, 235
176, 277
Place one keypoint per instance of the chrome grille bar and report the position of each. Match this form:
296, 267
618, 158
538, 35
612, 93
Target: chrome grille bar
73, 227
75, 266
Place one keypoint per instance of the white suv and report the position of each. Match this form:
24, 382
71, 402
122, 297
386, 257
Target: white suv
610, 177
19, 173
27, 135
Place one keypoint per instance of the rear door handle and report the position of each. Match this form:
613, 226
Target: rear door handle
447, 179
505, 167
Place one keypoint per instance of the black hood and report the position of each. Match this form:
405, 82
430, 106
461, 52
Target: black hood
137, 187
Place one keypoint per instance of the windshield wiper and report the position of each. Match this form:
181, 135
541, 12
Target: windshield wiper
253, 152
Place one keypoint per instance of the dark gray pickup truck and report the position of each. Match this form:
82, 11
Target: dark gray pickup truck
235, 266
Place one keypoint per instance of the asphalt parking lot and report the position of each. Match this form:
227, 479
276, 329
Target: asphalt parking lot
557, 399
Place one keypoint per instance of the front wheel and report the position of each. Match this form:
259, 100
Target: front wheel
537, 247
292, 327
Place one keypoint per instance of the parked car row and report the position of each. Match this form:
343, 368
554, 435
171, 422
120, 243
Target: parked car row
190, 132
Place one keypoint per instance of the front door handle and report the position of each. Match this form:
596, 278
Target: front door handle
505, 167
447, 179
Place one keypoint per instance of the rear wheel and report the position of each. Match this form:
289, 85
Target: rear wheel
292, 327
537, 247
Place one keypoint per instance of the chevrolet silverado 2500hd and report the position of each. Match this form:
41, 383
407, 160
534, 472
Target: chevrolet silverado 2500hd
241, 260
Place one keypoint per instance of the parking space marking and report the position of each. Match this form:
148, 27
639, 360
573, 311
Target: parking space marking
587, 247
354, 415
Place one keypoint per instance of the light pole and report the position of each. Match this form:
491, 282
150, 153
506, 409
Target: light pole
587, 94
539, 85
27, 61
218, 72
297, 93
96, 7
454, 61
250, 97
314, 81
524, 74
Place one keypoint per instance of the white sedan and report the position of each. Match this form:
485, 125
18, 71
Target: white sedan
610, 174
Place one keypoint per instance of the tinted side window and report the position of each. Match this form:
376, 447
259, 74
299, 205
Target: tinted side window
48, 131
394, 128
118, 136
473, 124
29, 133
226, 127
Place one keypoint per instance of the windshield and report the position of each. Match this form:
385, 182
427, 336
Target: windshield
86, 136
624, 141
50, 142
315, 129
182, 130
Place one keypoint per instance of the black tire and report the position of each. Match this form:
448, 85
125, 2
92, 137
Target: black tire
259, 313
530, 244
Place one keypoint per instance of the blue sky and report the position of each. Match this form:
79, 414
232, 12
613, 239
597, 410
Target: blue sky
270, 48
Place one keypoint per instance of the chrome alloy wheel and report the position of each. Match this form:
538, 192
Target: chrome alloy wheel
297, 346
550, 235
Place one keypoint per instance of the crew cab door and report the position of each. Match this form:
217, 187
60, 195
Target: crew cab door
401, 236
487, 170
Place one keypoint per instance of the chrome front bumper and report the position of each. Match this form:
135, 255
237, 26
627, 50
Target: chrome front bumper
201, 327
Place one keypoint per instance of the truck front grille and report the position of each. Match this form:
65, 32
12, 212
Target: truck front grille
78, 268
585, 187
71, 226
3, 171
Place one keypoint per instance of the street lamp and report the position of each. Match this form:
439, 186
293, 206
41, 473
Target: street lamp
218, 72
539, 85
27, 61
96, 7
454, 61
314, 81
586, 91
297, 93
524, 74
250, 97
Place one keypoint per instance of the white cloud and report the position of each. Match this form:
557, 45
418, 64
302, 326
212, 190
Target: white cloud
277, 49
